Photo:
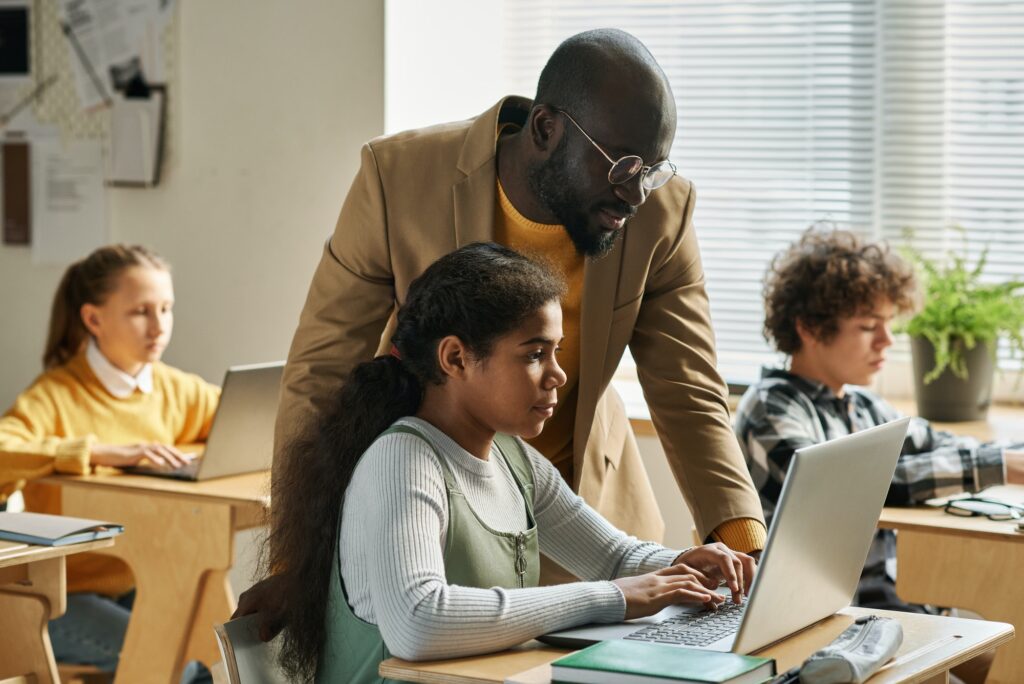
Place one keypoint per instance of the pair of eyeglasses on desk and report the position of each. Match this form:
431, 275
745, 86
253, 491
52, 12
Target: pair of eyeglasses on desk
973, 506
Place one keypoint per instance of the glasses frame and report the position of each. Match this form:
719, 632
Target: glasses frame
1013, 512
643, 171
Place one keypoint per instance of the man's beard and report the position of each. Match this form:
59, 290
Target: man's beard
551, 182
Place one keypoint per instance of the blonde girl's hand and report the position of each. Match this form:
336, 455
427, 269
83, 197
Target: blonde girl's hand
721, 564
647, 594
122, 456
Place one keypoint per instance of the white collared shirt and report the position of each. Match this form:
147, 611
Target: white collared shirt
120, 384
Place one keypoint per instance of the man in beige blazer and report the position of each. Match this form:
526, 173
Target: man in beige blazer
421, 194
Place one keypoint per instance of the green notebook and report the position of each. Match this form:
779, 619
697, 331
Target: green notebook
637, 662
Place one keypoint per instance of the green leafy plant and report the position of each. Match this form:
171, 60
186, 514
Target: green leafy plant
959, 310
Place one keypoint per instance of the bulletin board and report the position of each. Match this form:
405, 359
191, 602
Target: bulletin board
59, 104
95, 111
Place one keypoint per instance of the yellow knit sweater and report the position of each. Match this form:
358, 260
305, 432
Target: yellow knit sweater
54, 423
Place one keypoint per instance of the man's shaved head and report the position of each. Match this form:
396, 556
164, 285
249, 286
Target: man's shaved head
590, 65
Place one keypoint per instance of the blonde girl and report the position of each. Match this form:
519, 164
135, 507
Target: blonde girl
104, 399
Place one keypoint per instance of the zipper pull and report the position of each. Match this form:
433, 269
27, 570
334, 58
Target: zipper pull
520, 560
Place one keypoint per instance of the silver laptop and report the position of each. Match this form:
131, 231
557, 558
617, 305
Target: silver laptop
241, 439
817, 544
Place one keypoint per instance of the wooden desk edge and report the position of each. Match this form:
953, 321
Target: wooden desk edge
538, 671
35, 552
164, 487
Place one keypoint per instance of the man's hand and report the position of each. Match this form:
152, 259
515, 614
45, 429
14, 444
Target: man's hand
264, 599
718, 562
647, 594
163, 455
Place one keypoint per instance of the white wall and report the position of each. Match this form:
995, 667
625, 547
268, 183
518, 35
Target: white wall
273, 100
447, 73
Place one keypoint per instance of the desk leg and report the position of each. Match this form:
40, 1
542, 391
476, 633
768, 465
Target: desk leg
941, 678
25, 608
170, 543
964, 572
216, 602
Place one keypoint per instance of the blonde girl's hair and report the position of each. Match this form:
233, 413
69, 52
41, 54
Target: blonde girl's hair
88, 281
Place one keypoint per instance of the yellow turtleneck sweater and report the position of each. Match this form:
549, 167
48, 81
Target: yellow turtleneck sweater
54, 423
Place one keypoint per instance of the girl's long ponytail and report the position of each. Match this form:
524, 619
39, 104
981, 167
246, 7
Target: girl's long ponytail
308, 495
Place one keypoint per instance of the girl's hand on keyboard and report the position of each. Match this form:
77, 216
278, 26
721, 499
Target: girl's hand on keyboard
721, 563
647, 594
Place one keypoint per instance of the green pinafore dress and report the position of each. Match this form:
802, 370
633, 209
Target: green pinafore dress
474, 556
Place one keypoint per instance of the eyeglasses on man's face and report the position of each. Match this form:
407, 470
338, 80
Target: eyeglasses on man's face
625, 168
976, 506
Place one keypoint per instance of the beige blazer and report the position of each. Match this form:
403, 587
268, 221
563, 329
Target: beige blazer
421, 194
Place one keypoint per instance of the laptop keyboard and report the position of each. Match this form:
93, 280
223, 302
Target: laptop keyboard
184, 472
694, 629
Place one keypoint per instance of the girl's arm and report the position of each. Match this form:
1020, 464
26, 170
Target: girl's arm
29, 447
395, 514
580, 539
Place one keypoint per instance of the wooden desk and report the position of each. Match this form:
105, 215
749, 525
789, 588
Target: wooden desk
1004, 422
179, 543
971, 563
33, 591
931, 645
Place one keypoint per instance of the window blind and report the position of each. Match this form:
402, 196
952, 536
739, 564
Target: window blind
877, 116
953, 131
776, 127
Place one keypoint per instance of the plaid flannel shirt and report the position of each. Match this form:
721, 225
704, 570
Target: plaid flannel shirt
784, 412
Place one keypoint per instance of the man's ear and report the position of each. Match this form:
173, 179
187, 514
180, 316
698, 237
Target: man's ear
452, 357
90, 314
545, 128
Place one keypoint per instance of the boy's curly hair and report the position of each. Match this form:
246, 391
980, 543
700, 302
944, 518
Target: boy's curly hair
828, 275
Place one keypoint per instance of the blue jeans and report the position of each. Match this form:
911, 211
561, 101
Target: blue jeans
92, 631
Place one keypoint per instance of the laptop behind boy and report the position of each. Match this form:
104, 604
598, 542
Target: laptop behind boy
241, 438
818, 541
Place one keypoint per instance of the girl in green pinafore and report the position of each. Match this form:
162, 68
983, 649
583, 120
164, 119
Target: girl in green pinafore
414, 524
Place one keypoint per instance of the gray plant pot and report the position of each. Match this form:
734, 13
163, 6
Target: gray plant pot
949, 398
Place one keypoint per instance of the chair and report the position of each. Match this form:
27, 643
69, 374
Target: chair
248, 660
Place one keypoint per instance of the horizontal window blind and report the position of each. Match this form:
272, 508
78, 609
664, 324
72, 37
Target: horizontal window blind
985, 181
876, 116
776, 128
953, 131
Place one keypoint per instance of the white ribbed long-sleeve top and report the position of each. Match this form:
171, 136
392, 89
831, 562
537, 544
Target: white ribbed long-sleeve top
393, 529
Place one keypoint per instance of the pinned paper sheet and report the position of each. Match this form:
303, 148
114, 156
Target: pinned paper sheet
69, 217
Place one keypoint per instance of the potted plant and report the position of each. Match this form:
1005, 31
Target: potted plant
955, 334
